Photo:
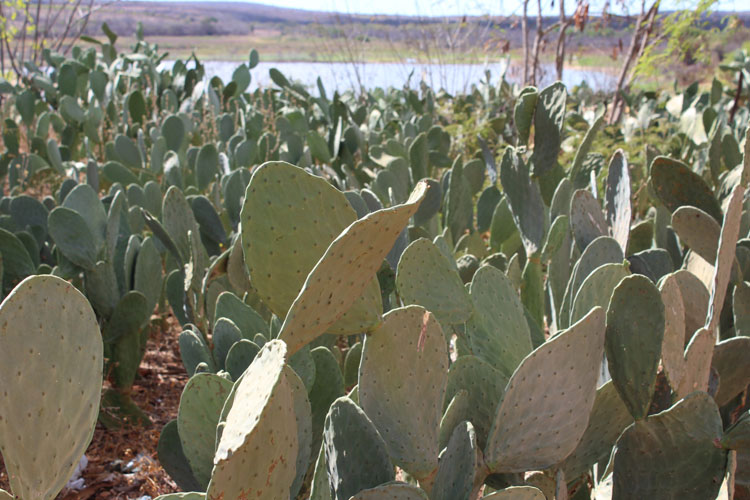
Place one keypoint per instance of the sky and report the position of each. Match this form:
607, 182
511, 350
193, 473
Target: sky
460, 7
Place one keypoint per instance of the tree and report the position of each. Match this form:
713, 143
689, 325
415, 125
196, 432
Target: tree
29, 27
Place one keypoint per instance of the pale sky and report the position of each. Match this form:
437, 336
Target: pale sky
460, 7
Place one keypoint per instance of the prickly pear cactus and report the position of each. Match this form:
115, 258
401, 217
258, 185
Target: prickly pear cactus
618, 206
455, 475
427, 277
547, 403
497, 330
608, 418
635, 330
355, 454
198, 415
402, 380
730, 230
346, 270
676, 185
673, 454
51, 361
258, 448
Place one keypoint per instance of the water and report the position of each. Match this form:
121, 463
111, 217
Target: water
451, 77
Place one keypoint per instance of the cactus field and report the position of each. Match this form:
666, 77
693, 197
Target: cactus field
398, 294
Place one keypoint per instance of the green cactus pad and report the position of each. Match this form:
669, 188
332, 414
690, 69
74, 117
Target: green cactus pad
392, 491
228, 305
485, 386
525, 200
497, 330
457, 411
351, 365
194, 350
547, 403
288, 219
239, 357
303, 365
83, 200
737, 436
697, 230
402, 382
173, 459
327, 387
72, 237
618, 206
356, 455
51, 361
516, 493
635, 331
455, 475
148, 278
730, 230
608, 418
319, 489
346, 271
673, 344
426, 277
200, 407
693, 292
304, 428
730, 361
698, 356
257, 452
224, 336
676, 185
672, 455
603, 250
597, 289
549, 119
586, 219
458, 207
178, 219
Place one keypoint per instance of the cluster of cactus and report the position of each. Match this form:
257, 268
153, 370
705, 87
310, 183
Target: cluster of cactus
370, 309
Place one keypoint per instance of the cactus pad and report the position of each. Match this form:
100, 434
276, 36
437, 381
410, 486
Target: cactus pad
392, 491
51, 361
426, 277
288, 219
608, 418
346, 270
673, 344
698, 356
497, 330
258, 448
672, 455
618, 207
455, 475
676, 185
200, 407
355, 453
730, 361
547, 403
517, 493
597, 289
586, 219
402, 382
635, 330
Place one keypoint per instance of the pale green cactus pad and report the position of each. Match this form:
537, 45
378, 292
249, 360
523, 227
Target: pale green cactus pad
257, 452
402, 381
698, 354
288, 220
497, 330
51, 363
635, 330
673, 343
607, 420
345, 272
548, 400
730, 230
618, 206
597, 289
672, 455
200, 408
425, 276
697, 230
730, 361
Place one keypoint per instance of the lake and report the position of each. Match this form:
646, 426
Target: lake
451, 77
